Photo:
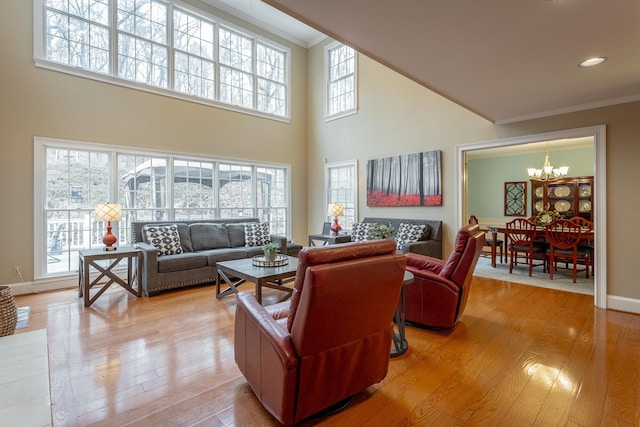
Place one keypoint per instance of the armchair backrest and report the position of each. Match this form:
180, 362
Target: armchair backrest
462, 262
340, 318
311, 256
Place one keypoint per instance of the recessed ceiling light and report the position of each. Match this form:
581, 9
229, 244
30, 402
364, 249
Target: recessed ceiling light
592, 61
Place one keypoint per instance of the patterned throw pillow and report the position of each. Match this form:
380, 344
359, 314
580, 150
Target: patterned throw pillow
360, 231
256, 233
165, 238
409, 233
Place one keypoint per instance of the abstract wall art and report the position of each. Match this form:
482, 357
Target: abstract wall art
405, 180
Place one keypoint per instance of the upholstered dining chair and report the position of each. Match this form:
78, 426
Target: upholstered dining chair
523, 243
564, 239
332, 339
585, 225
489, 240
440, 289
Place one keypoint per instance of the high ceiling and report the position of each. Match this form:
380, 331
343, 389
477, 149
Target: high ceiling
506, 60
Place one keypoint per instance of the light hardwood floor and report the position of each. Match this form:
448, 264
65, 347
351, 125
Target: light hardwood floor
520, 356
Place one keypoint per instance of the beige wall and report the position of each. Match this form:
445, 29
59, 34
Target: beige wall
40, 102
396, 116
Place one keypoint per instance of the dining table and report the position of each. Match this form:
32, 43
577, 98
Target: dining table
587, 233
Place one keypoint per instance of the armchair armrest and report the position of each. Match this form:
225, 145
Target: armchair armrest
265, 355
423, 262
257, 316
434, 278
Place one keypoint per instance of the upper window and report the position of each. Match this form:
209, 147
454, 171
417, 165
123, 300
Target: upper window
341, 81
160, 44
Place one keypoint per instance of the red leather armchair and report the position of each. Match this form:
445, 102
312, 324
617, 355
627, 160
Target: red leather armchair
438, 295
332, 340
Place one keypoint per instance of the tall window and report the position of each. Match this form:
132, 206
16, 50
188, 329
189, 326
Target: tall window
341, 81
166, 47
75, 177
341, 184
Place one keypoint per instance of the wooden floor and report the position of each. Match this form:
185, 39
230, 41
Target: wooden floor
520, 356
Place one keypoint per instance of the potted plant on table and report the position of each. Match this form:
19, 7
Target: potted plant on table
379, 231
270, 251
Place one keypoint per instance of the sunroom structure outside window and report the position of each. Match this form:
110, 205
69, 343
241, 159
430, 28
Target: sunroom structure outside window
341, 77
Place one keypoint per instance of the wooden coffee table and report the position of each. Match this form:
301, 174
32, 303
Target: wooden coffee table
245, 271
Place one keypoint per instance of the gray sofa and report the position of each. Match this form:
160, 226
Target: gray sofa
431, 242
204, 242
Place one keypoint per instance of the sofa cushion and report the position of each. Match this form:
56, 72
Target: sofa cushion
228, 254
256, 234
179, 262
209, 236
409, 233
236, 235
360, 231
165, 238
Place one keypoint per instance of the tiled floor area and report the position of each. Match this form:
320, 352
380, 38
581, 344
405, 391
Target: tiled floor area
24, 380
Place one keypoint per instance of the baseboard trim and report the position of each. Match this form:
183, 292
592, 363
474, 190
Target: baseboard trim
630, 305
44, 285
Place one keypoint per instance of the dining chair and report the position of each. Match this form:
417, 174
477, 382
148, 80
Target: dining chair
564, 238
585, 225
523, 243
473, 220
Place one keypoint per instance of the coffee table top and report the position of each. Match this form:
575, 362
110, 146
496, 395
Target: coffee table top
244, 267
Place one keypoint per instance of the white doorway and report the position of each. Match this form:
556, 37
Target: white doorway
598, 133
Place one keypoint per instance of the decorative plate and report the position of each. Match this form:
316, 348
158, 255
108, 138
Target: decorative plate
585, 191
562, 191
585, 206
563, 205
539, 206
538, 191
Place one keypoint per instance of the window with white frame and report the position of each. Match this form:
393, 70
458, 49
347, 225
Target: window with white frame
167, 45
72, 178
341, 186
341, 81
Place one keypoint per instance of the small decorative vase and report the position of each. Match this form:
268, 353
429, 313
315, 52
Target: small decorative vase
8, 312
270, 255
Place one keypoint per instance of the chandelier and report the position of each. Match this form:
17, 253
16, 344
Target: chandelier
547, 172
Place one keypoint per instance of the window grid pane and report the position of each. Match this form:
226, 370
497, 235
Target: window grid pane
271, 198
341, 188
78, 34
194, 55
341, 84
193, 193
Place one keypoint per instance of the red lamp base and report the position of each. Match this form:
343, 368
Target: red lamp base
335, 227
109, 239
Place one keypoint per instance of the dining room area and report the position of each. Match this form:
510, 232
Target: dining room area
536, 204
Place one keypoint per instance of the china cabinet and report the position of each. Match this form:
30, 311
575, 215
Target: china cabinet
569, 196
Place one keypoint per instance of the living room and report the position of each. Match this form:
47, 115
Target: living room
395, 116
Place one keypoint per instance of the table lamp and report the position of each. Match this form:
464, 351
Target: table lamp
108, 212
335, 210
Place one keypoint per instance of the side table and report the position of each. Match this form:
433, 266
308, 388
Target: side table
90, 257
328, 239
400, 344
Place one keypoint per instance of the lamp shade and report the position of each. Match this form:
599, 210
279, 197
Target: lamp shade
108, 212
335, 209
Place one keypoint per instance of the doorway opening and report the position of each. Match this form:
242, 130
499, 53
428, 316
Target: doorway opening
598, 135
